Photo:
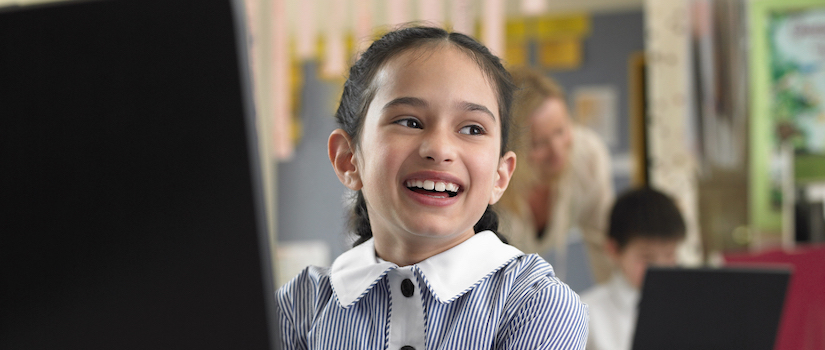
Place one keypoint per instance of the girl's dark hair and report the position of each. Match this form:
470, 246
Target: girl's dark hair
359, 91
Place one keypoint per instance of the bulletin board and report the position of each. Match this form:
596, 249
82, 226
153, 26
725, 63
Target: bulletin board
787, 66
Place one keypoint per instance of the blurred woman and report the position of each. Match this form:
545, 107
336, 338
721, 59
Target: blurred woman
562, 193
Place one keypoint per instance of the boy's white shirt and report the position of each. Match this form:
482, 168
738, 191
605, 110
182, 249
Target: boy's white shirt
613, 311
448, 274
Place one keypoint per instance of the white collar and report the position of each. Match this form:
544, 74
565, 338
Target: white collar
448, 275
622, 292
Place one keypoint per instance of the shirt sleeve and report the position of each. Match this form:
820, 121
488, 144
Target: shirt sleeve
287, 333
295, 303
553, 319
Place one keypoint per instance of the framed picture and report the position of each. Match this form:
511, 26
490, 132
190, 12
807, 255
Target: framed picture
787, 126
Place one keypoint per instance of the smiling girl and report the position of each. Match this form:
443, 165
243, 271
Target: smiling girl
424, 120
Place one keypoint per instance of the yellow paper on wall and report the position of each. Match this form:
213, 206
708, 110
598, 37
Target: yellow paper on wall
568, 25
515, 53
516, 30
560, 53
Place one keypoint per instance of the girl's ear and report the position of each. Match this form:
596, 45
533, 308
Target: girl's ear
506, 166
342, 156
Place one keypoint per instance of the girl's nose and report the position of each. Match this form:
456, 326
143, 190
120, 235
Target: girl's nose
437, 145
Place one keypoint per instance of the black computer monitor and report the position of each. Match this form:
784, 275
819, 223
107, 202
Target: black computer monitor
131, 205
710, 308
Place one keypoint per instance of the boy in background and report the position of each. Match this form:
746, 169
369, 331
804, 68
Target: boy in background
645, 229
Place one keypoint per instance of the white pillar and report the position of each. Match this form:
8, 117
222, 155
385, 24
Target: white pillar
673, 165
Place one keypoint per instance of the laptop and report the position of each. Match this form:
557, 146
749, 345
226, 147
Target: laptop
132, 205
710, 308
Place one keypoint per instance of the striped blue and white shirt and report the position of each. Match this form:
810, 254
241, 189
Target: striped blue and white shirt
481, 294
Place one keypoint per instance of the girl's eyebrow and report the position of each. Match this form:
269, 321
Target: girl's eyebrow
417, 102
409, 101
469, 106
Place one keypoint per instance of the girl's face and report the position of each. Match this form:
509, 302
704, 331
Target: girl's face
550, 138
428, 161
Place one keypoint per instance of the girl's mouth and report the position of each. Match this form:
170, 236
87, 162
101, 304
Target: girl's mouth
433, 188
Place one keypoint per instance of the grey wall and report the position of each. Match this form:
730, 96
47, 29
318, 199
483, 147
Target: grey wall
310, 197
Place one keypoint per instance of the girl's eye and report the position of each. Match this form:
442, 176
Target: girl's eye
410, 123
472, 130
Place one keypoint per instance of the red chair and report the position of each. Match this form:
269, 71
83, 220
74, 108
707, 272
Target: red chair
802, 326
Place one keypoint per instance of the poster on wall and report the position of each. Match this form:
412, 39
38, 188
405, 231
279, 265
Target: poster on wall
788, 106
597, 106
797, 51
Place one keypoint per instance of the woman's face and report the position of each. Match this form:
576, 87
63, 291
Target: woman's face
551, 138
429, 157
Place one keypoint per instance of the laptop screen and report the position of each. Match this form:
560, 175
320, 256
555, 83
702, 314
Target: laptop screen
132, 209
710, 308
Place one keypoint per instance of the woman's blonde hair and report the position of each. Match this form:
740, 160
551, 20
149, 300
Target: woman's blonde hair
534, 89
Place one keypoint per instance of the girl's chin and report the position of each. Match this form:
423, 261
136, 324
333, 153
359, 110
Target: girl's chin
429, 233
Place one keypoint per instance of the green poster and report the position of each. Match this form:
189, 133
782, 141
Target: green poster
787, 48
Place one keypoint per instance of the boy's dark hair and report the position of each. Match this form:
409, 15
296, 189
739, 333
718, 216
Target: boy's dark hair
645, 213
359, 91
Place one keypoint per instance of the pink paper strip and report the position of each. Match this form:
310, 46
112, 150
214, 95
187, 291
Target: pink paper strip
462, 15
431, 12
398, 12
281, 112
334, 64
306, 32
362, 25
493, 26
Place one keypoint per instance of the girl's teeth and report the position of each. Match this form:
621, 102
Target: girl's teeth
431, 185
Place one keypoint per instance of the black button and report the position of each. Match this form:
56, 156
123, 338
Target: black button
407, 347
408, 289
